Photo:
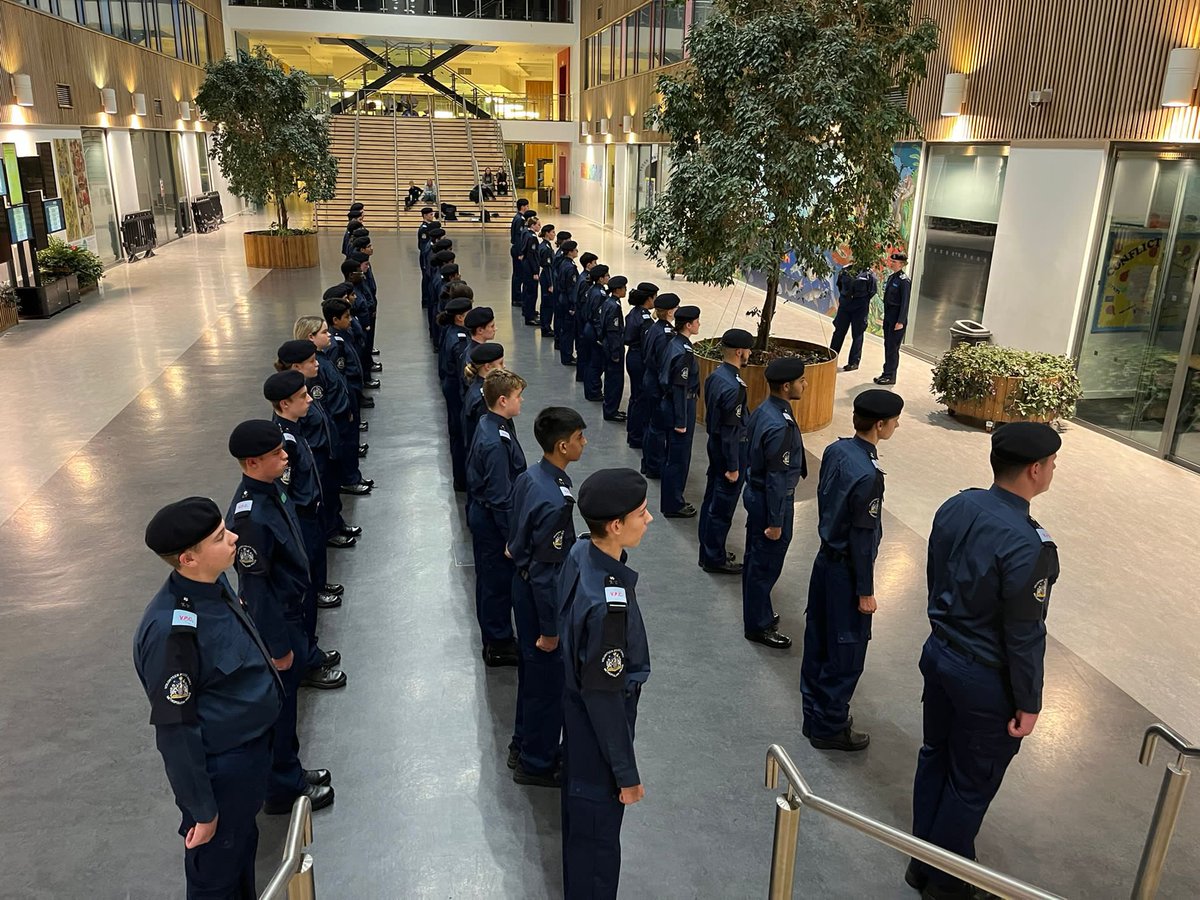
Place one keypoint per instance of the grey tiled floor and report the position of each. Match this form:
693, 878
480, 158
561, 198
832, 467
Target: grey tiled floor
425, 806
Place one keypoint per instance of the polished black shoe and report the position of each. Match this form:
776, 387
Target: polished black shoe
351, 531
364, 426
497, 655
367, 403
341, 541
334, 588
807, 732
324, 679
848, 740
377, 367
320, 795
355, 490
374, 351
770, 638
849, 367
725, 568
328, 601
546, 333
687, 511
330, 658
883, 379
369, 482
775, 620
362, 450
618, 416
317, 776
551, 779
514, 756
373, 384
914, 877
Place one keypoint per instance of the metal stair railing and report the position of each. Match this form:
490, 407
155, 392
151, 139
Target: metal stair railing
1166, 809
482, 209
396, 168
437, 174
293, 878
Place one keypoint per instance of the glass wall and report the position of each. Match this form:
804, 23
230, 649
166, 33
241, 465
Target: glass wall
1139, 356
649, 37
202, 157
160, 181
963, 187
173, 27
104, 207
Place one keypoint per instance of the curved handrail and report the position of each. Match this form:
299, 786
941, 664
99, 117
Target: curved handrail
299, 836
931, 854
1159, 731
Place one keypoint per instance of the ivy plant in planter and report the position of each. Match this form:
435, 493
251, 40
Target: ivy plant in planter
61, 258
1005, 384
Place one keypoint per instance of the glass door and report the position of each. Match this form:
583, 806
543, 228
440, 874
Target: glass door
104, 207
1185, 445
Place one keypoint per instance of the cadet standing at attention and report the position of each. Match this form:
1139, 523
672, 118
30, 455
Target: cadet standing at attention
679, 380
545, 254
855, 290
775, 466
541, 533
896, 292
484, 358
991, 570
610, 335
591, 356
583, 284
516, 237
725, 421
607, 660
450, 375
654, 343
214, 696
566, 275
841, 591
637, 321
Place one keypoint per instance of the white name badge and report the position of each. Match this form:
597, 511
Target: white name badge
289, 437
1045, 536
243, 506
566, 491
183, 617
615, 596
504, 434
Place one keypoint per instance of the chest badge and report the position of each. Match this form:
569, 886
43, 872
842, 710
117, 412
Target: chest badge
557, 540
875, 507
787, 457
247, 556
286, 477
614, 662
317, 392
1040, 590
341, 363
178, 689
683, 373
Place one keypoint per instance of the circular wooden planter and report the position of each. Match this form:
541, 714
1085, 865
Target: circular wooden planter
994, 410
813, 411
273, 251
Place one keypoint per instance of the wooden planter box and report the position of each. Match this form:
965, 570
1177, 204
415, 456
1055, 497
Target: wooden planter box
273, 251
813, 411
8, 317
48, 299
994, 409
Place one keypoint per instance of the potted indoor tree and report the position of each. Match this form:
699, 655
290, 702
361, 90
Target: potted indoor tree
270, 147
993, 384
8, 306
60, 259
781, 135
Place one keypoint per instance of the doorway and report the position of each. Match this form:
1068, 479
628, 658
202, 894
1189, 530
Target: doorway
610, 184
100, 191
160, 181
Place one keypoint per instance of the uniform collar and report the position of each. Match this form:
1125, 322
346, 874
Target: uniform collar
733, 370
254, 486
553, 471
870, 448
779, 403
498, 419
1018, 503
606, 563
196, 590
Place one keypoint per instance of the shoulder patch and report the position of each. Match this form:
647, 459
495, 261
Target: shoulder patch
288, 436
557, 541
247, 556
504, 435
178, 688
183, 618
614, 596
787, 457
286, 477
243, 507
1040, 590
317, 392
341, 363
875, 507
614, 662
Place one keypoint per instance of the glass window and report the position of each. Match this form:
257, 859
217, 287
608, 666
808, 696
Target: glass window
135, 26
630, 44
202, 38
91, 14
614, 38
643, 39
68, 10
655, 9
701, 10
166, 28
116, 15
202, 156
605, 73
671, 20
104, 208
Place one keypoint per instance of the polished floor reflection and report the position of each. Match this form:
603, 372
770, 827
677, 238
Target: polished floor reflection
135, 395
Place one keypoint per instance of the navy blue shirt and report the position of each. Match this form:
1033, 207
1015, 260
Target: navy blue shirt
776, 457
494, 461
454, 340
210, 682
637, 321
656, 338
541, 533
516, 228
679, 379
545, 254
316, 426
855, 289
474, 407
331, 389
611, 328
725, 418
606, 657
896, 292
990, 571
850, 507
301, 477
565, 278
343, 353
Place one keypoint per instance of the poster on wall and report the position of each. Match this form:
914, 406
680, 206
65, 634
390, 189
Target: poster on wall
73, 187
1132, 279
55, 219
83, 196
798, 285
12, 172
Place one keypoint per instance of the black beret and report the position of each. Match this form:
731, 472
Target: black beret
486, 353
182, 524
687, 313
364, 241
784, 369
1025, 442
282, 385
479, 316
448, 270
356, 205
354, 213
736, 338
444, 256
635, 297
588, 257
426, 210
360, 232
563, 236
900, 256
291, 352
338, 291
359, 258
611, 494
529, 214
568, 246
648, 287
457, 305
617, 282
666, 301
436, 232
877, 404
598, 272
254, 437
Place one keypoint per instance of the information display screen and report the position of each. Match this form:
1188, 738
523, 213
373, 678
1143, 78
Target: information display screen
56, 219
20, 226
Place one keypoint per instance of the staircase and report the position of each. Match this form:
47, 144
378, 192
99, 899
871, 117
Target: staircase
394, 152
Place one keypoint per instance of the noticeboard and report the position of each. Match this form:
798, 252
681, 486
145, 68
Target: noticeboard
56, 219
20, 225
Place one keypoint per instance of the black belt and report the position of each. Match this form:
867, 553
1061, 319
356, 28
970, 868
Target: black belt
835, 555
942, 635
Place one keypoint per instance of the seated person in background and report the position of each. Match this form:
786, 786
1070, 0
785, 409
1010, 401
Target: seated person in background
473, 194
489, 180
429, 195
502, 183
414, 194
449, 212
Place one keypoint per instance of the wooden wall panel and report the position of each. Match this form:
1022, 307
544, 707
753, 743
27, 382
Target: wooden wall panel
596, 14
629, 97
51, 51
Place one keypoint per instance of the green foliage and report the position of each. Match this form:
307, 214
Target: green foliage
781, 137
1049, 385
268, 145
8, 295
61, 258
712, 348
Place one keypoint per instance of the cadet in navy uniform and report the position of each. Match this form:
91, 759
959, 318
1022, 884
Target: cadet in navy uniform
725, 421
607, 660
637, 321
493, 464
841, 591
450, 376
583, 284
527, 257
545, 255
541, 533
214, 695
896, 292
427, 222
516, 232
565, 277
991, 570
775, 466
591, 357
679, 378
484, 358
654, 342
855, 290
610, 334
272, 578
344, 360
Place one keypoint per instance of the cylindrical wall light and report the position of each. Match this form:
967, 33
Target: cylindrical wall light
627, 124
954, 89
1183, 68
139, 104
22, 88
604, 126
185, 110
108, 101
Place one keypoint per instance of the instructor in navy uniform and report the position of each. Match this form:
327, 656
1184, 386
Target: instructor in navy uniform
991, 570
896, 293
841, 591
214, 695
606, 660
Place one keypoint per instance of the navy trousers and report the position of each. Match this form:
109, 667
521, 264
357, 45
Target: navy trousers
678, 462
763, 562
892, 339
583, 346
313, 531
540, 677
452, 391
529, 297
654, 442
856, 321
518, 282
716, 512
331, 508
223, 869
546, 312
614, 382
347, 461
286, 781
564, 334
965, 751
835, 646
493, 576
635, 425
593, 373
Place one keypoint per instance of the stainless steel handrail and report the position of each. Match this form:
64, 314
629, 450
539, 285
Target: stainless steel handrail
1166, 808
294, 877
799, 795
